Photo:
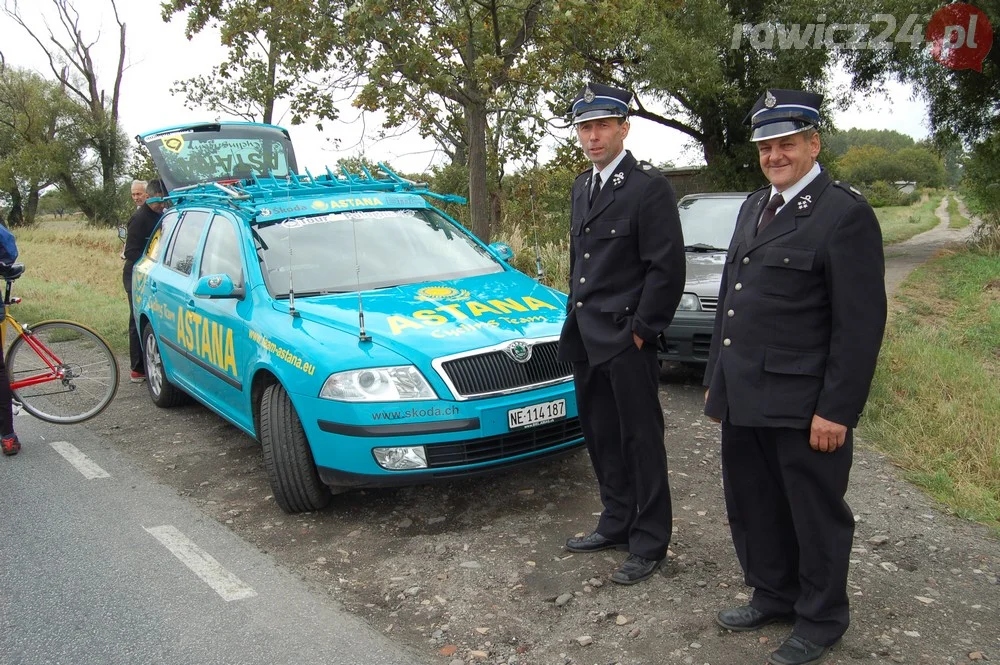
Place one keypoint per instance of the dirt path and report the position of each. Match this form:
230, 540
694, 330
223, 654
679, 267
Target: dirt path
903, 257
476, 572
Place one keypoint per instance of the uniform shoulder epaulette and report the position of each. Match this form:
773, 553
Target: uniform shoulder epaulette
853, 191
643, 166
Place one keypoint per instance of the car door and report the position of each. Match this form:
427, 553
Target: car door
217, 325
173, 286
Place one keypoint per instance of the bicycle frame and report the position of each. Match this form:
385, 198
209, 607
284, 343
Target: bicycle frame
48, 357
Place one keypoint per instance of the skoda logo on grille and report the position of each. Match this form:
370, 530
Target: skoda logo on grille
519, 351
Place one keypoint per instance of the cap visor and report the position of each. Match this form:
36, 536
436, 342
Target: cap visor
597, 114
776, 130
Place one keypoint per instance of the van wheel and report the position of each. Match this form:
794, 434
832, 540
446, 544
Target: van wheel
163, 393
287, 457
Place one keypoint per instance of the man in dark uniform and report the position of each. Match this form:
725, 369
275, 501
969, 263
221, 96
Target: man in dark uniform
801, 313
140, 226
626, 279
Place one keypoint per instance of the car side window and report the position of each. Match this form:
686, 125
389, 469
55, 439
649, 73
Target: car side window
221, 255
154, 250
184, 244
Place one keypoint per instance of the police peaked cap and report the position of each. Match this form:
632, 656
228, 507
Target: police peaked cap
596, 101
783, 112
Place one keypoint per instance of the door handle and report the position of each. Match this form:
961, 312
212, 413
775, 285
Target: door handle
191, 303
152, 286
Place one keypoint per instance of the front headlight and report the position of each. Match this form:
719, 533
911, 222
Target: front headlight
378, 384
689, 303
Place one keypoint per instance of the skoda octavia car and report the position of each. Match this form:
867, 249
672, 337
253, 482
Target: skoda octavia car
363, 336
708, 222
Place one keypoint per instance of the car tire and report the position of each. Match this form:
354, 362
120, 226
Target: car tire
163, 393
287, 457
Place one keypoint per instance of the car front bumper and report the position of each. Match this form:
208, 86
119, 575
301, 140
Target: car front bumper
688, 338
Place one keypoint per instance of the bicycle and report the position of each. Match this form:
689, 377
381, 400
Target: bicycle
60, 371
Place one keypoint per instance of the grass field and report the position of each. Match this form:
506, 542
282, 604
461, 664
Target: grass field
935, 405
72, 271
900, 223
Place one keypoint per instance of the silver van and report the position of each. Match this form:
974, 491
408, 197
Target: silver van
708, 222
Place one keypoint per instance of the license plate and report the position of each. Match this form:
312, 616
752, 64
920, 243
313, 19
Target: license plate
536, 414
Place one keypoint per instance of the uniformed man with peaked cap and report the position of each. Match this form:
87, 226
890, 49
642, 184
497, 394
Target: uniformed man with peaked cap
798, 328
626, 279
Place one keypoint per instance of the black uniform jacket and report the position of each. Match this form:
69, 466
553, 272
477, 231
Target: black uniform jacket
801, 311
626, 263
140, 226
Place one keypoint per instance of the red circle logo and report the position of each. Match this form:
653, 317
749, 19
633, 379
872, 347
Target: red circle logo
960, 36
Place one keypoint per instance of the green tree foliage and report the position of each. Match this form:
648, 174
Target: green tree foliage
94, 185
866, 164
275, 51
838, 143
37, 140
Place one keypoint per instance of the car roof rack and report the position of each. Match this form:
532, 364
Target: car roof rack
244, 194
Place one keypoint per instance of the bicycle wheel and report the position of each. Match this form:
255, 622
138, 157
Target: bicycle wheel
62, 372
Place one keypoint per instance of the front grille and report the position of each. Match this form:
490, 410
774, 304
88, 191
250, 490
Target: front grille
503, 446
709, 304
495, 371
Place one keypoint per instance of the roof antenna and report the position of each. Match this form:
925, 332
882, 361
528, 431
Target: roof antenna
362, 335
291, 289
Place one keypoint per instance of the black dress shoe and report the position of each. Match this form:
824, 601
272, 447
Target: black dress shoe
635, 569
798, 650
747, 617
593, 542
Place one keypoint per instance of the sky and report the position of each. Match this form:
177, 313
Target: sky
158, 54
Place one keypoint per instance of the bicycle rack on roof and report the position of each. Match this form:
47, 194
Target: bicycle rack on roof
268, 189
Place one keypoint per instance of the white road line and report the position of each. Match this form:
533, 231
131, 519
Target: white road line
82, 463
202, 563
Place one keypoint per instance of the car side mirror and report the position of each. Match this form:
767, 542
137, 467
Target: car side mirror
218, 287
502, 250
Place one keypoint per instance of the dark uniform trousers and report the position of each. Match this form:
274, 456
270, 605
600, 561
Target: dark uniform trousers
630, 461
791, 527
134, 345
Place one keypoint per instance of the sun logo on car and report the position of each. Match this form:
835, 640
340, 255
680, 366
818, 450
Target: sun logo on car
519, 351
442, 293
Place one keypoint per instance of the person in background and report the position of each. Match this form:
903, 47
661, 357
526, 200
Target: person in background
140, 226
627, 271
9, 443
801, 312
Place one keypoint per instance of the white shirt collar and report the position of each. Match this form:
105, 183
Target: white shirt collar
608, 170
793, 191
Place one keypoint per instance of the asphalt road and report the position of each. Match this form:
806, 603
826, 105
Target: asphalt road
100, 564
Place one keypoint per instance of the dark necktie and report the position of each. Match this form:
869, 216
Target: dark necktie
596, 190
769, 211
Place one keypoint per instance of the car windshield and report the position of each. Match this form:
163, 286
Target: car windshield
389, 248
708, 223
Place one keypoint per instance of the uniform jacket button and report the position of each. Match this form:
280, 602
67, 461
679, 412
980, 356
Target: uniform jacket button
739, 286
579, 303
726, 342
586, 230
785, 260
626, 309
612, 231
583, 280
587, 255
746, 260
730, 313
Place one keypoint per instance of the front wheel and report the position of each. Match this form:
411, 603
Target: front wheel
287, 457
62, 372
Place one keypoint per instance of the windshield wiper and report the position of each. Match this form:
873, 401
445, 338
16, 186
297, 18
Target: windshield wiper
702, 247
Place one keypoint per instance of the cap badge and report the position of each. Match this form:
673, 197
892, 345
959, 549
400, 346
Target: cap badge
588, 94
618, 178
769, 100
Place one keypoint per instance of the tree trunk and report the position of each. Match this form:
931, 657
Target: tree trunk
31, 207
16, 216
86, 207
479, 207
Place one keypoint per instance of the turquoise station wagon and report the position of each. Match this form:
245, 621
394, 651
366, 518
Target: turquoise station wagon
361, 335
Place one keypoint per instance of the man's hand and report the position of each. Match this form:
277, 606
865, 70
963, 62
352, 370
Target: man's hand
714, 420
638, 341
825, 435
